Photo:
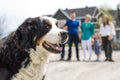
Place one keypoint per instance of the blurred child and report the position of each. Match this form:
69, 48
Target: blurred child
97, 46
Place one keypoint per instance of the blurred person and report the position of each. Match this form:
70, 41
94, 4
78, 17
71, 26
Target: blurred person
87, 29
63, 45
97, 46
72, 25
107, 30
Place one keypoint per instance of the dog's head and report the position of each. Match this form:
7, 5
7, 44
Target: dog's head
41, 31
54, 38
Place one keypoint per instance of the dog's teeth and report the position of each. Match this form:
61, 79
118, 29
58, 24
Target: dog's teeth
56, 47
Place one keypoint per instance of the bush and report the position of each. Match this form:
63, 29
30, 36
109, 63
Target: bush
116, 46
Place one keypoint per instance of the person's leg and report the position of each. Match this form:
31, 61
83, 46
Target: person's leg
77, 49
84, 46
70, 49
89, 45
43, 77
110, 50
96, 49
63, 52
99, 52
98, 57
104, 40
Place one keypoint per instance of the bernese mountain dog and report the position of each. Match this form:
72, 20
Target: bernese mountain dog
24, 54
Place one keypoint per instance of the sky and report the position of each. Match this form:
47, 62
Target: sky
42, 7
15, 11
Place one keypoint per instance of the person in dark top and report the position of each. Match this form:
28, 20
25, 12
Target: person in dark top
72, 25
63, 45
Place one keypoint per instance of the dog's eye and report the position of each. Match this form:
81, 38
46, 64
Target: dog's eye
48, 27
47, 24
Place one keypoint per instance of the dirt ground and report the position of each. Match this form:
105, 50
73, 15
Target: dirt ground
74, 70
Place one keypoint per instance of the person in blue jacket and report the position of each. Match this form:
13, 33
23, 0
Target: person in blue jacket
73, 28
87, 29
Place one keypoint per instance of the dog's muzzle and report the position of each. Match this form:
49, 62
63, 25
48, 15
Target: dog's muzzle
56, 48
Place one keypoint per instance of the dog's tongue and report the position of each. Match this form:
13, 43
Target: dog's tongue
56, 47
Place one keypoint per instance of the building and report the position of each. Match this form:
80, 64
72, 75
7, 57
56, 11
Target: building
62, 15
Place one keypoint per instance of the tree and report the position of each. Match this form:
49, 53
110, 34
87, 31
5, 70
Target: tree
106, 11
118, 10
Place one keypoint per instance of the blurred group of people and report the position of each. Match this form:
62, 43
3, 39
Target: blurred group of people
85, 33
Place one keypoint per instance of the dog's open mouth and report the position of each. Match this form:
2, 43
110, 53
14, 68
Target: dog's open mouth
52, 47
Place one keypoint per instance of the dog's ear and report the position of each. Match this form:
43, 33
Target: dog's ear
25, 33
29, 20
32, 30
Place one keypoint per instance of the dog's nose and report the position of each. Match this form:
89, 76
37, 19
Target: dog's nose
64, 36
63, 33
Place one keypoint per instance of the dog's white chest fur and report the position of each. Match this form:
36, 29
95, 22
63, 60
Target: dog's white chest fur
35, 70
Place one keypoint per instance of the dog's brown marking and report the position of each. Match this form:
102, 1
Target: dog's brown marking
49, 23
39, 41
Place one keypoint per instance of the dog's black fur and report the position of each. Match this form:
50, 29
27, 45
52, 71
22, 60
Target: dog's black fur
14, 49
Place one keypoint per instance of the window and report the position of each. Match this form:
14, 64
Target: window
118, 34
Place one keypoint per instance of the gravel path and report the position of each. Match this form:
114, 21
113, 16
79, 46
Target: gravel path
74, 70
